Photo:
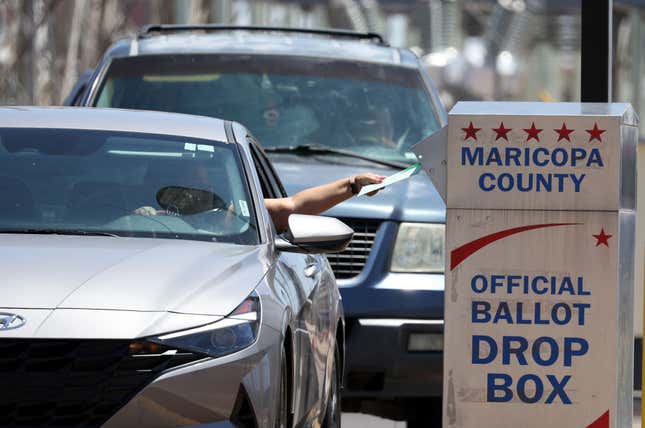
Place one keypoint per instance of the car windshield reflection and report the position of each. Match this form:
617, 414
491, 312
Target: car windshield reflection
373, 109
108, 183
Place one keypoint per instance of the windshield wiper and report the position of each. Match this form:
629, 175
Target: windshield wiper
29, 231
313, 149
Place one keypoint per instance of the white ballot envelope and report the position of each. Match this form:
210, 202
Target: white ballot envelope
394, 178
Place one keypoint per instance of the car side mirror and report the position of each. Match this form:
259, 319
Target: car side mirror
314, 234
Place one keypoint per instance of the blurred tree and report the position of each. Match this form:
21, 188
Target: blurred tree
16, 81
199, 11
28, 54
43, 48
95, 25
115, 23
162, 12
347, 14
93, 22
23, 61
73, 48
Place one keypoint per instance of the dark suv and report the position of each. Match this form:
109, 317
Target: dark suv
326, 105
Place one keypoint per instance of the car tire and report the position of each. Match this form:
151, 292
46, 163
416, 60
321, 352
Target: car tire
333, 411
282, 414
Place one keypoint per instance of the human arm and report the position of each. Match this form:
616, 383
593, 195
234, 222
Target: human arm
316, 200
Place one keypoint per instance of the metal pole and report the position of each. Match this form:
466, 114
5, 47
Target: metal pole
596, 50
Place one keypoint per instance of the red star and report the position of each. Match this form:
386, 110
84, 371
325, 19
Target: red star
594, 134
471, 131
532, 132
563, 133
501, 132
602, 238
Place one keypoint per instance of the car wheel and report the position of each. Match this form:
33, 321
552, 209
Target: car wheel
282, 415
332, 414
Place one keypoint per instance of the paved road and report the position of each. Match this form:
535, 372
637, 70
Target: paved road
356, 420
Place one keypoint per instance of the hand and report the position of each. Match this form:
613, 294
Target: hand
368, 178
146, 211
230, 214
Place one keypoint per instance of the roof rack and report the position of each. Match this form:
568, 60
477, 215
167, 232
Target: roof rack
146, 31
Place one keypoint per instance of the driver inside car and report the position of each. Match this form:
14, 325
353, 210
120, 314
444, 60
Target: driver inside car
314, 200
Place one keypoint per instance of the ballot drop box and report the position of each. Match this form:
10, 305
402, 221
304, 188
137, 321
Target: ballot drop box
539, 265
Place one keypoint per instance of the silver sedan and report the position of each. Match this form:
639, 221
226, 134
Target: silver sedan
144, 283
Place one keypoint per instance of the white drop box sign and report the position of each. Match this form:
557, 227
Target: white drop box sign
540, 155
532, 328
539, 265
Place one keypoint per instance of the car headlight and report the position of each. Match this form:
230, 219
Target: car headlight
419, 248
233, 333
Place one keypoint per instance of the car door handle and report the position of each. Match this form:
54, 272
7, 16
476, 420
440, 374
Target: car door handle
312, 270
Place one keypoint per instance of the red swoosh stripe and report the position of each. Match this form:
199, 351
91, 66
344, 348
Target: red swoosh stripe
460, 254
601, 422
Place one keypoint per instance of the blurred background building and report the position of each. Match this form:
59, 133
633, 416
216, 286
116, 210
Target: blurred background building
526, 50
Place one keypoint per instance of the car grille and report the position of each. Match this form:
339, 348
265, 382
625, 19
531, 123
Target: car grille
75, 383
350, 262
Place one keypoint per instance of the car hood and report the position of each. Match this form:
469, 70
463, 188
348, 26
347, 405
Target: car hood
129, 274
414, 200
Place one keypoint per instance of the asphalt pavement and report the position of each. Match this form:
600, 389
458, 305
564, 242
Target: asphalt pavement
357, 420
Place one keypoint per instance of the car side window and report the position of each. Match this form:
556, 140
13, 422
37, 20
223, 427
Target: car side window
267, 189
263, 164
276, 179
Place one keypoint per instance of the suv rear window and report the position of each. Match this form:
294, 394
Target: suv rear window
374, 109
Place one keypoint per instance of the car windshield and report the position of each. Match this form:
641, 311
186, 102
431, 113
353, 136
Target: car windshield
372, 109
72, 181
